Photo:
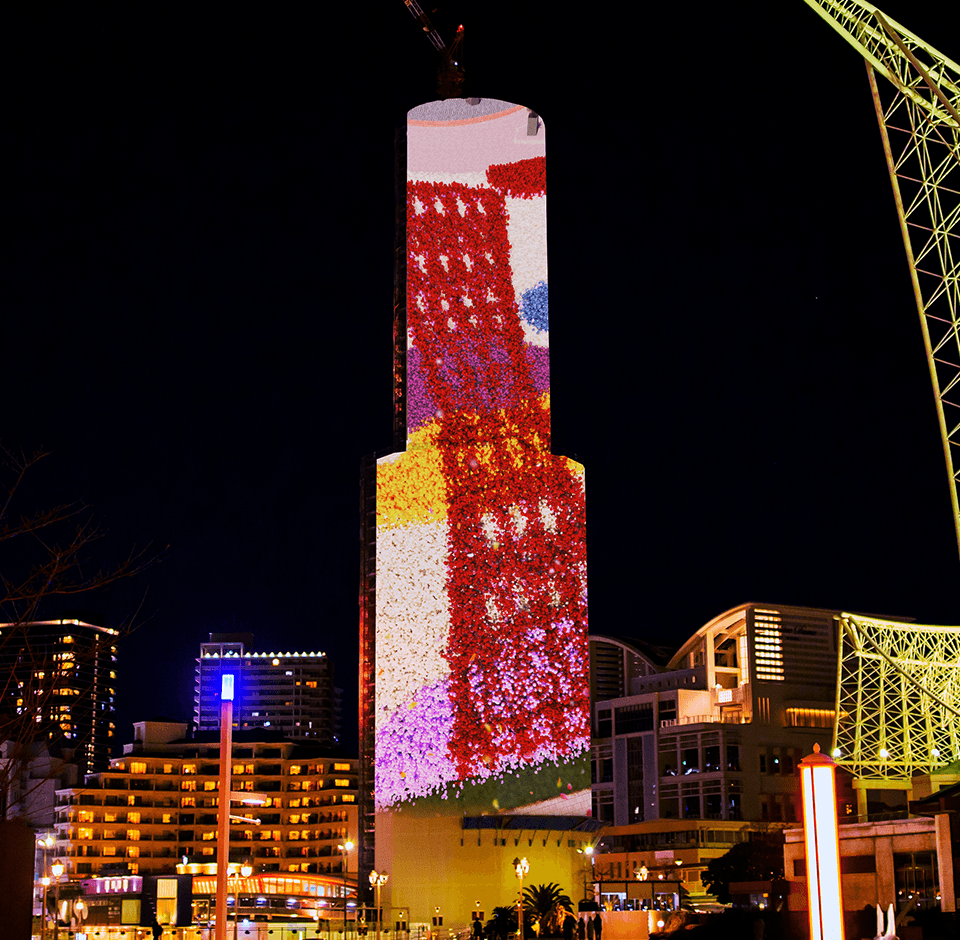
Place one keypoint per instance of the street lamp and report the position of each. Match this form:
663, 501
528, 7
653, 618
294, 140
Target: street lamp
246, 870
343, 849
44, 845
521, 866
45, 881
56, 869
223, 822
378, 879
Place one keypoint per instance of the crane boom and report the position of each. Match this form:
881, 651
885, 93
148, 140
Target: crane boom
450, 74
920, 132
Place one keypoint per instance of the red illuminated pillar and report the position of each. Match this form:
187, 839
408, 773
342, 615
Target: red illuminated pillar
818, 778
223, 827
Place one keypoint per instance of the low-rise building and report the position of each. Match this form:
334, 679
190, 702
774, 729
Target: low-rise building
710, 742
158, 804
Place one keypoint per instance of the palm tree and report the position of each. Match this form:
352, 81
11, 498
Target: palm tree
547, 903
502, 921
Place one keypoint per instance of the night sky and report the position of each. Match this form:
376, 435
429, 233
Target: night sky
197, 308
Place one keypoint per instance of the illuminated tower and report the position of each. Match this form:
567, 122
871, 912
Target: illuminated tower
474, 672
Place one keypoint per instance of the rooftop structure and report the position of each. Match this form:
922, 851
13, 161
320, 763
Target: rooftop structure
290, 693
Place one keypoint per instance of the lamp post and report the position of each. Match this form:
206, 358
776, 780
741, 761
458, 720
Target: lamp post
343, 849
45, 881
246, 869
521, 866
223, 821
56, 869
44, 845
378, 879
822, 842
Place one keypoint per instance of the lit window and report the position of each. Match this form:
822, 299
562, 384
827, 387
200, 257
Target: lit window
133, 817
109, 850
133, 851
189, 768
341, 767
84, 833
209, 784
109, 817
207, 850
85, 815
188, 801
311, 683
349, 798
344, 782
131, 801
188, 784
133, 835
208, 836
294, 819
168, 768
296, 769
138, 767
167, 818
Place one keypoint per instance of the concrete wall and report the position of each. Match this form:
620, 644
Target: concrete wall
433, 863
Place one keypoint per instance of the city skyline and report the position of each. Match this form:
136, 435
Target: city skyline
200, 308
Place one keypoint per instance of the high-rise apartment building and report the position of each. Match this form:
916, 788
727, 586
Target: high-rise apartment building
58, 680
289, 693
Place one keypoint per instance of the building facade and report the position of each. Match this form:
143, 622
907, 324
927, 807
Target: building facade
59, 681
289, 693
475, 661
711, 742
158, 804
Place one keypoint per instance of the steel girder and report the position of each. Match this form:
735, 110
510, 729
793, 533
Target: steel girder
898, 688
920, 130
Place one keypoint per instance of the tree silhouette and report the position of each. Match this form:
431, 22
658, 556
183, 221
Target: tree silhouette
48, 557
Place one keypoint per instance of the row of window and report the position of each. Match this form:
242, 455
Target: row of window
142, 767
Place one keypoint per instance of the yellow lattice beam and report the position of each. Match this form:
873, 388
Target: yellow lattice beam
920, 132
898, 693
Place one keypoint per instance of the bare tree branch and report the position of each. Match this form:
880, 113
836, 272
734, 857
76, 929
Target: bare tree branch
47, 555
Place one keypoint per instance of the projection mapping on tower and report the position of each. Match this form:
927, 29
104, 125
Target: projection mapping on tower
481, 674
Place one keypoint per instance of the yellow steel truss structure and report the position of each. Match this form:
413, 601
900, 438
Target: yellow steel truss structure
897, 694
920, 129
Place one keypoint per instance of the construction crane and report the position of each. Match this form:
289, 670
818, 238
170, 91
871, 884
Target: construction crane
450, 75
920, 130
897, 695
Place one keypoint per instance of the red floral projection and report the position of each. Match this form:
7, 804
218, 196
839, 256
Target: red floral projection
516, 565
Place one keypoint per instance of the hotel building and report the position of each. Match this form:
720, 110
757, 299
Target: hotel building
158, 803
